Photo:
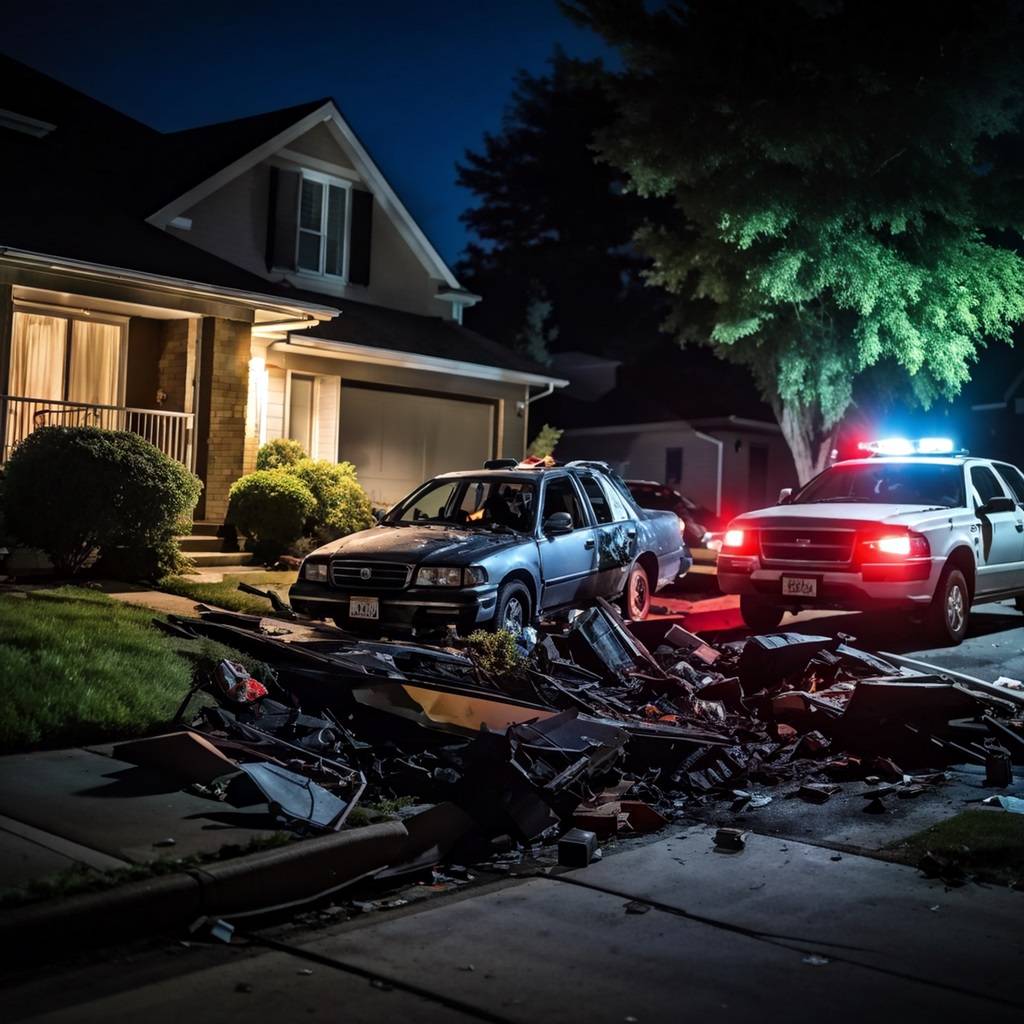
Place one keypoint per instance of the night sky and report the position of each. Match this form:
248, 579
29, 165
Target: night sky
419, 82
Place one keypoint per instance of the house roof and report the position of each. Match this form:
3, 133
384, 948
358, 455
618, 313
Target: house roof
377, 327
83, 192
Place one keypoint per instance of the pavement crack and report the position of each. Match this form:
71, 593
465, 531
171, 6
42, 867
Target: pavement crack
795, 943
449, 1002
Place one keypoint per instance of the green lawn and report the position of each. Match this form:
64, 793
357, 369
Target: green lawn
226, 593
78, 667
986, 844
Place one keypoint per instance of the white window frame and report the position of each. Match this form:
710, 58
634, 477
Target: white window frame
326, 181
83, 316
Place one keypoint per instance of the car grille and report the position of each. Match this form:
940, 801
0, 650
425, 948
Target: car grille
796, 544
354, 575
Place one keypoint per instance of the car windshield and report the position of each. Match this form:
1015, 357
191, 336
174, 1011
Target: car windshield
483, 504
663, 498
888, 483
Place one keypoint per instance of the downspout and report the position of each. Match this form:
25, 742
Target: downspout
530, 399
718, 483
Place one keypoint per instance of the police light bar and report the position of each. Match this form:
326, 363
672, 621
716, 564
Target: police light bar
905, 446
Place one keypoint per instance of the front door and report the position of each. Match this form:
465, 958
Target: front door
1001, 559
566, 561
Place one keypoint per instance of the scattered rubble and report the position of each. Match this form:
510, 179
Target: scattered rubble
598, 729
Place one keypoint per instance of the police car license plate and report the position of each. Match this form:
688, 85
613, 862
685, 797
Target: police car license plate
799, 586
364, 608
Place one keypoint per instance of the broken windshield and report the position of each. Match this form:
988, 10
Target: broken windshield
484, 504
888, 483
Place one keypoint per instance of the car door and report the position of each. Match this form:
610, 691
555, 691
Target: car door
999, 551
1013, 481
566, 560
615, 534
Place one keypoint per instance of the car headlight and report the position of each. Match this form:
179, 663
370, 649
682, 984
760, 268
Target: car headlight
315, 571
475, 575
439, 576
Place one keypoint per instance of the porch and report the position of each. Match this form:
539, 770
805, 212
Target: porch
171, 432
106, 365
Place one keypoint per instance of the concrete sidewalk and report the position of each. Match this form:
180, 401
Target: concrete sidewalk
83, 806
664, 932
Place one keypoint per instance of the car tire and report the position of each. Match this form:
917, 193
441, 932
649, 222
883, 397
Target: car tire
636, 594
760, 615
513, 609
950, 608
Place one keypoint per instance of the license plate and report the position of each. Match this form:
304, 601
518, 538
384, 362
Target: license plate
799, 586
364, 608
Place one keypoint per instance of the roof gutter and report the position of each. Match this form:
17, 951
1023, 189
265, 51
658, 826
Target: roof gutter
305, 311
410, 360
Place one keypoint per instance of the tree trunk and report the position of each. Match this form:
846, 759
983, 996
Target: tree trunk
809, 442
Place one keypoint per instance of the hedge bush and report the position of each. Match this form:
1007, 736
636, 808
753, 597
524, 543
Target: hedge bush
342, 506
271, 507
73, 492
280, 453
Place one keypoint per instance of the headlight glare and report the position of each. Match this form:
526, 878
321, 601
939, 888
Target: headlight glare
439, 576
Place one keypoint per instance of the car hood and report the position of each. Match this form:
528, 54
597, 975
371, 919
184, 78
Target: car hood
435, 544
836, 514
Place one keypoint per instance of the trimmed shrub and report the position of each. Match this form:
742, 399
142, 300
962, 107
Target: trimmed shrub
73, 492
280, 453
342, 506
271, 507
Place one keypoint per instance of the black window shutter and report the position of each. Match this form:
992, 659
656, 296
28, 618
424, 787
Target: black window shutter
282, 223
360, 234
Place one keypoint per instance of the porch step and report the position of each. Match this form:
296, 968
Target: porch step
200, 542
209, 559
206, 528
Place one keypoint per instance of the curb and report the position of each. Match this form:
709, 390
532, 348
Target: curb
246, 884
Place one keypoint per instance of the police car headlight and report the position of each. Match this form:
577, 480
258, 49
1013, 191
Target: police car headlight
439, 576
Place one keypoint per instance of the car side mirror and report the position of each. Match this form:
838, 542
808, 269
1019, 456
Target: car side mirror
999, 503
558, 523
785, 495
379, 514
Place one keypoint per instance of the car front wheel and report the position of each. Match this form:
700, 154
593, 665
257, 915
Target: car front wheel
636, 596
513, 610
950, 608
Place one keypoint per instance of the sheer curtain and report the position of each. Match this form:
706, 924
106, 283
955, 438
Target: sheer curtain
95, 369
37, 356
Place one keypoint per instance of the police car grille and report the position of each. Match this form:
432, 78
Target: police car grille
823, 547
352, 575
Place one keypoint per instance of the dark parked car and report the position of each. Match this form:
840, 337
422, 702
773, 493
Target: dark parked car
495, 548
698, 522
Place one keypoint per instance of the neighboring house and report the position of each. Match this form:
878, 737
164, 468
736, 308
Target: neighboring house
678, 418
214, 288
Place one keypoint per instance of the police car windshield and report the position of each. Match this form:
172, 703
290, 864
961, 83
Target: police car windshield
469, 503
888, 483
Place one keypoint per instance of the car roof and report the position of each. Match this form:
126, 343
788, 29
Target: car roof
498, 474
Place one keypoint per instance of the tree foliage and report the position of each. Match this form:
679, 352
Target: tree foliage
554, 256
844, 182
545, 442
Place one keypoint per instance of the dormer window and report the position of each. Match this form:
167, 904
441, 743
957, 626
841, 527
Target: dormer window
321, 247
320, 226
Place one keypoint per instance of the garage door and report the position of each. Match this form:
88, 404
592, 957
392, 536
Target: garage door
397, 439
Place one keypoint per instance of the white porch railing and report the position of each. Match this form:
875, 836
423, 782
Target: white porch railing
171, 432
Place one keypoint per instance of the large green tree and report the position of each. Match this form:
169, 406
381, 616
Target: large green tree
552, 247
844, 185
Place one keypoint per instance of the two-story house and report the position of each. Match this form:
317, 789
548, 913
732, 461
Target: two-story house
214, 288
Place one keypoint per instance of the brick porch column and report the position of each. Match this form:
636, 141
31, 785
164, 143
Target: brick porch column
222, 454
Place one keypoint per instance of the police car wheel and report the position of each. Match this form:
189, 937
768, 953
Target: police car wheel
759, 614
951, 607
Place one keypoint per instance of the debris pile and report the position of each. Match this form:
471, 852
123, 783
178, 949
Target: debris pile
601, 726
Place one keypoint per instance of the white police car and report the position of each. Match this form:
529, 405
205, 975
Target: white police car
915, 525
